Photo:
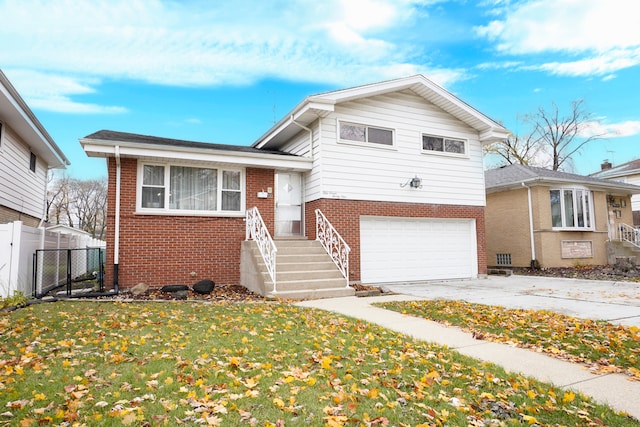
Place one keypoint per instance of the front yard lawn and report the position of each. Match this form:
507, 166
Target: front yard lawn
255, 364
604, 346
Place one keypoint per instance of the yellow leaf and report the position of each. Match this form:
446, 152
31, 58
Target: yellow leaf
529, 419
311, 381
326, 362
168, 381
278, 402
373, 393
568, 397
531, 394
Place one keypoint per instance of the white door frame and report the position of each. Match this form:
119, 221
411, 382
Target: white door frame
283, 206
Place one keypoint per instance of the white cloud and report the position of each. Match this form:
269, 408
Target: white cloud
197, 42
611, 130
600, 37
54, 92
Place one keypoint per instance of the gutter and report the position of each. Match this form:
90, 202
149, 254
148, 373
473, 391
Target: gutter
533, 246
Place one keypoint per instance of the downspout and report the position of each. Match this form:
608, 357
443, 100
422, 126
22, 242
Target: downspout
533, 246
116, 239
304, 220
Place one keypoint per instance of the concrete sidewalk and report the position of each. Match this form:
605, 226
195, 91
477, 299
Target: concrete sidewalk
615, 390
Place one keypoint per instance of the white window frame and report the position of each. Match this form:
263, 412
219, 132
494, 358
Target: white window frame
444, 143
185, 212
586, 209
366, 142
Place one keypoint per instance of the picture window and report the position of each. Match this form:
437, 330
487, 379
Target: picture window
187, 188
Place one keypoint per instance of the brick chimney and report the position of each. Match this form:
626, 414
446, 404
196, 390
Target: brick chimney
605, 165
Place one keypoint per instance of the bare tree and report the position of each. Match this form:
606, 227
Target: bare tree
563, 136
517, 150
552, 140
79, 203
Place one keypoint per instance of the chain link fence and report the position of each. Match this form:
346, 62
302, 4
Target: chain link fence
68, 272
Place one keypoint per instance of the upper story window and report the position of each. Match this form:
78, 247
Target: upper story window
190, 189
32, 162
439, 144
571, 208
363, 133
1, 134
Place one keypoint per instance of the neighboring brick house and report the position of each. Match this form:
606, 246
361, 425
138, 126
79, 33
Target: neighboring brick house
555, 219
396, 167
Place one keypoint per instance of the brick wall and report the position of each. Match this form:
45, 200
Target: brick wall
10, 215
160, 250
345, 217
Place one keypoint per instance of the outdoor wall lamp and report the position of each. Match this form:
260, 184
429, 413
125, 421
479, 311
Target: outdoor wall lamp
415, 182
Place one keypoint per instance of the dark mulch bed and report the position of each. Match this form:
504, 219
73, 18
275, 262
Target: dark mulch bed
589, 272
220, 293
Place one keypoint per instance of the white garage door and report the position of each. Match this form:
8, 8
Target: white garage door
414, 249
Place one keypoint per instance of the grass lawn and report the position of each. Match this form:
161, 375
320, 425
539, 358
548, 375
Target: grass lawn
604, 346
255, 364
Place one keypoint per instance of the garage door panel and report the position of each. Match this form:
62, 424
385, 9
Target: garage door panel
414, 249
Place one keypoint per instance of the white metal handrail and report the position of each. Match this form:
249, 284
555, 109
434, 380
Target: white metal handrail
627, 233
333, 243
257, 230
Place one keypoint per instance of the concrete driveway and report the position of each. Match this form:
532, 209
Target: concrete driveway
616, 302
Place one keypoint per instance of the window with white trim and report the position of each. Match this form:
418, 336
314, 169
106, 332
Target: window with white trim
1, 133
178, 188
571, 208
439, 144
367, 134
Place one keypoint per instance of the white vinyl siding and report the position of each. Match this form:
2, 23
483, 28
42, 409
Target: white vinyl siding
351, 171
417, 249
299, 145
21, 189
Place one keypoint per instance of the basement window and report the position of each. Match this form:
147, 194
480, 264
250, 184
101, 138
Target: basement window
503, 259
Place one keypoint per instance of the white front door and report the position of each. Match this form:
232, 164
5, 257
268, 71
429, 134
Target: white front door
288, 204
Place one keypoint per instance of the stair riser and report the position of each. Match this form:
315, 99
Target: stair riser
302, 285
314, 294
305, 275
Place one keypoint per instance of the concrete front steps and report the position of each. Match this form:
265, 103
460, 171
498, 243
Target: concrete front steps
303, 271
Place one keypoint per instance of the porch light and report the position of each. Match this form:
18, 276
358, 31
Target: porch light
415, 182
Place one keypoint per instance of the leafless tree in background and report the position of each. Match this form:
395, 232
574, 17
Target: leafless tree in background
78, 203
553, 139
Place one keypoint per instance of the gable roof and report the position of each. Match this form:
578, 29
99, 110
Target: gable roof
625, 169
515, 176
15, 112
323, 104
108, 143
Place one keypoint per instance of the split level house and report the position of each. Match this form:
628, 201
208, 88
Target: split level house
27, 152
372, 184
543, 218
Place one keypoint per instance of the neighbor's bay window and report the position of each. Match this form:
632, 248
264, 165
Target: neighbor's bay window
571, 208
188, 188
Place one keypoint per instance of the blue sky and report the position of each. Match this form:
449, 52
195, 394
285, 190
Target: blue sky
223, 72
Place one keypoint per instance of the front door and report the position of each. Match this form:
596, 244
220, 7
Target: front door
288, 204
